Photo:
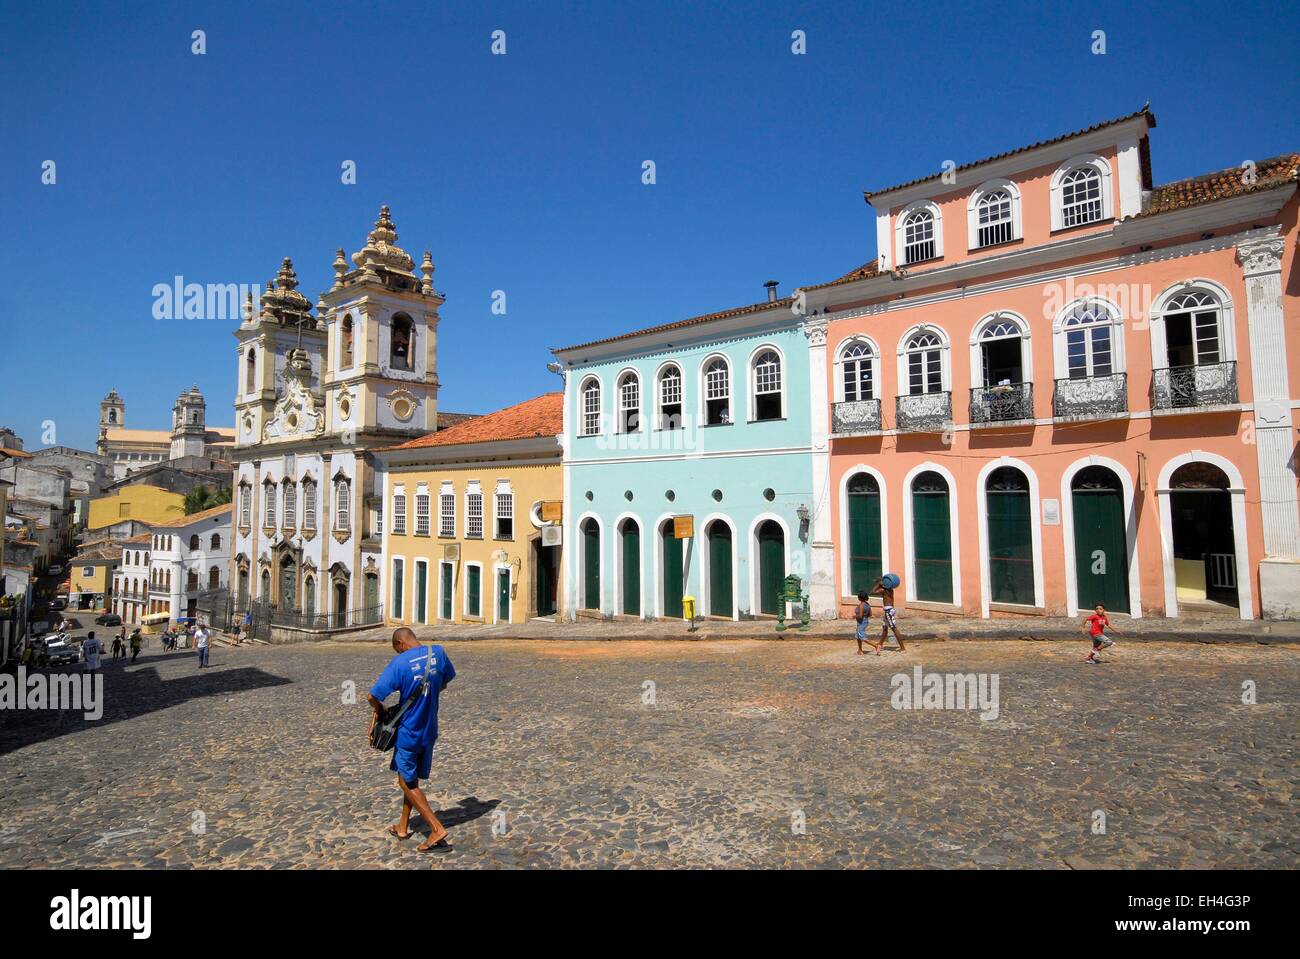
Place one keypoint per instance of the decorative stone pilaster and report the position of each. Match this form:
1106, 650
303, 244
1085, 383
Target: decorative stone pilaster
822, 601
1261, 265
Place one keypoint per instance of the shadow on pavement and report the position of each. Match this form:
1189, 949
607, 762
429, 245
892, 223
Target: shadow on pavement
127, 694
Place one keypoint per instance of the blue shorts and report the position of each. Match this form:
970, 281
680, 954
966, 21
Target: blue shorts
862, 629
412, 764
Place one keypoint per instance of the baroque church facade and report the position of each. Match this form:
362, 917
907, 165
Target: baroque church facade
315, 395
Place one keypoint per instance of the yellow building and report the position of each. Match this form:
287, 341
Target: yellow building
470, 533
146, 504
91, 572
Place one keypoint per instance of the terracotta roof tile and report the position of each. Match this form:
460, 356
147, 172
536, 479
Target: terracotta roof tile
1221, 185
451, 419
541, 416
1145, 111
682, 324
861, 273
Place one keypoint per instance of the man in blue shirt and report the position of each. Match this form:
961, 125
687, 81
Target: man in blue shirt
418, 731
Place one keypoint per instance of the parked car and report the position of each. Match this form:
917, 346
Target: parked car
55, 570
107, 619
59, 602
57, 652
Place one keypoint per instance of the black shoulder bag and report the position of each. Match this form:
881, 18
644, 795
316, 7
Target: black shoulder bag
383, 735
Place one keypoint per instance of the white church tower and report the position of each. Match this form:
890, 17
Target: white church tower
189, 424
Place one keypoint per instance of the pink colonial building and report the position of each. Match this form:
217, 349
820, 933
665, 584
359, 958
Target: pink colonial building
1060, 385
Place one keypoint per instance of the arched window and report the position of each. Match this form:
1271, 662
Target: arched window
194, 541
590, 393
343, 506
857, 379
629, 403
1080, 191
268, 492
670, 398
345, 343
1001, 358
214, 577
924, 359
245, 505
250, 382
308, 504
403, 343
1193, 330
919, 237
309, 596
1089, 349
767, 386
290, 504
994, 212
717, 392
112, 416
216, 541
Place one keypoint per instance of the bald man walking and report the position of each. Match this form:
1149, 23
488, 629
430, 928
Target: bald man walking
423, 671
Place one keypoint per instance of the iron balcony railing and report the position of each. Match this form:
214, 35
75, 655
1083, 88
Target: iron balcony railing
998, 404
924, 412
264, 613
1189, 387
1091, 396
855, 416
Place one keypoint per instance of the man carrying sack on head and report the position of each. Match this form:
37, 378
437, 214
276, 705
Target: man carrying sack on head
419, 674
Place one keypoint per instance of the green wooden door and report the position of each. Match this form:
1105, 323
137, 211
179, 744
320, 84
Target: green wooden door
446, 591
544, 562
631, 570
503, 596
1100, 543
671, 553
474, 589
771, 567
931, 538
721, 598
1011, 545
421, 591
864, 532
591, 565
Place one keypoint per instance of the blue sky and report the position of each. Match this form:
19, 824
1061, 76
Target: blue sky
523, 172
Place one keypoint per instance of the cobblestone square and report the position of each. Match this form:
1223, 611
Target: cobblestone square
552, 756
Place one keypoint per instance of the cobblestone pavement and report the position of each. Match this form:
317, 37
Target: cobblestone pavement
550, 757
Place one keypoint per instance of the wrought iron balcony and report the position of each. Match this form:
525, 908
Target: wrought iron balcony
924, 412
855, 417
999, 404
1091, 397
1192, 387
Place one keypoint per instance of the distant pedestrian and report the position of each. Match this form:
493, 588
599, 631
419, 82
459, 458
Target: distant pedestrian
1097, 626
236, 636
92, 648
136, 643
862, 618
885, 587
423, 672
118, 646
201, 644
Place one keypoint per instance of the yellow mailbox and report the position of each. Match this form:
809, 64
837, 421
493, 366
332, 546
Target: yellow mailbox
688, 608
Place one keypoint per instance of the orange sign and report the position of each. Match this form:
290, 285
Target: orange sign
552, 511
683, 527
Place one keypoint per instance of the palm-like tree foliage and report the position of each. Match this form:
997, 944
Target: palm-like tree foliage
204, 497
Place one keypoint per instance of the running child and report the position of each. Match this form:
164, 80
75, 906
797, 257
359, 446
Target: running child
885, 587
1097, 626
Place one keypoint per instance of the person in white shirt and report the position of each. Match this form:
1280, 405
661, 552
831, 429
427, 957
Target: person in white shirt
92, 649
201, 644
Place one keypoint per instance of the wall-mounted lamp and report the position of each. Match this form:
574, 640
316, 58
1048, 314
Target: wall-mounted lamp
804, 516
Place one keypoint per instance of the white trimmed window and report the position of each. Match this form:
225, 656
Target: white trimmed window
919, 237
590, 407
629, 403
1089, 343
290, 505
308, 504
268, 518
399, 513
1192, 329
857, 372
474, 514
1081, 191
421, 513
717, 392
343, 506
924, 363
245, 505
446, 514
505, 515
994, 214
670, 398
767, 386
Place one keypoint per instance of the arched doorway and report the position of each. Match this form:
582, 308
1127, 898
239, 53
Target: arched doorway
771, 566
1100, 539
863, 504
1204, 540
722, 600
265, 597
590, 564
372, 603
309, 596
1010, 537
670, 571
629, 532
288, 584
932, 538
340, 604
